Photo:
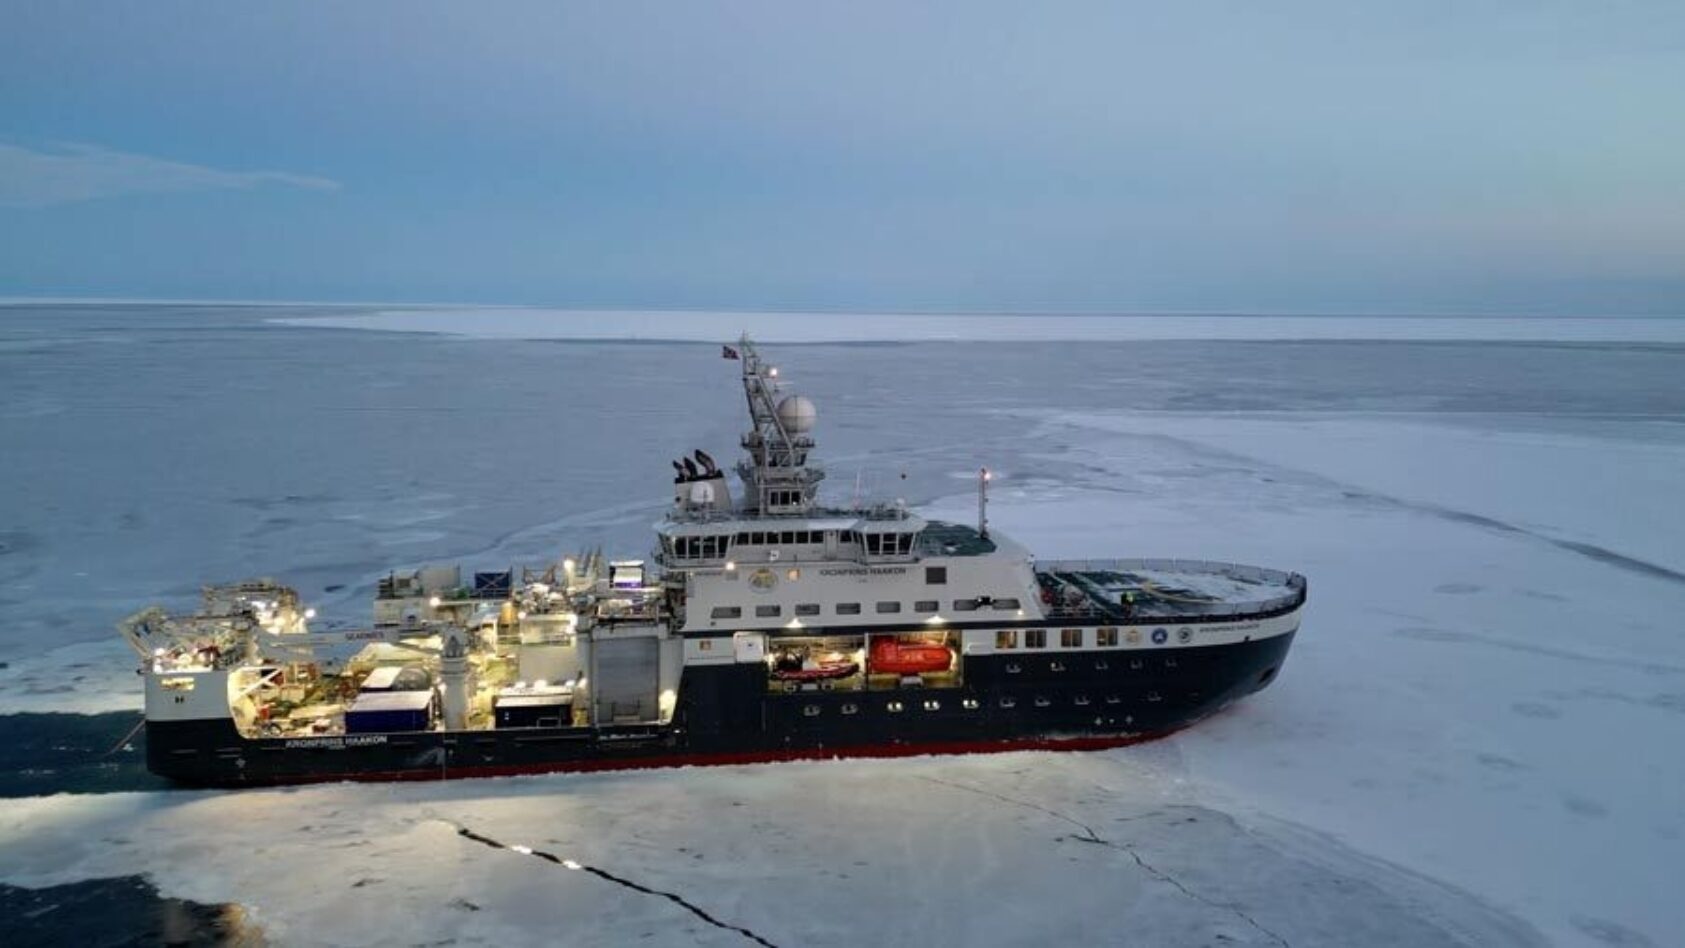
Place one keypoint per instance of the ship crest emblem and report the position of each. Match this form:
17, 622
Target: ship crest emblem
1184, 635
1159, 635
1132, 636
762, 580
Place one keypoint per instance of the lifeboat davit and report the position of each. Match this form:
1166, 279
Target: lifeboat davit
892, 657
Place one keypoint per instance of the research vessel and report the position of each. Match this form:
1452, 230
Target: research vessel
763, 626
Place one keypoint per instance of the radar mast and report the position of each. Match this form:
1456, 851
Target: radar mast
777, 479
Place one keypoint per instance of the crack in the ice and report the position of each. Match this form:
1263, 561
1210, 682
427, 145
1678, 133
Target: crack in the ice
1089, 836
604, 874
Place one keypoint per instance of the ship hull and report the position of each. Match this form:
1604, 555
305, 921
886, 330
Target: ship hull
1067, 700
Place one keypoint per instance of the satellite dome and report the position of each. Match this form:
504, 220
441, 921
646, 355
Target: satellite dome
797, 414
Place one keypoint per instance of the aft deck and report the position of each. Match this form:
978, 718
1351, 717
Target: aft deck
1133, 590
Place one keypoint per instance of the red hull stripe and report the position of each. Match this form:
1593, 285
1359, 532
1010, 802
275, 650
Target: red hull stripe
727, 759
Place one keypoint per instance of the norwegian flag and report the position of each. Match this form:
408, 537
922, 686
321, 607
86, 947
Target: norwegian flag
727, 352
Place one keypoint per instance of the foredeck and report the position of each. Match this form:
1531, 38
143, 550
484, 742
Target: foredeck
1132, 590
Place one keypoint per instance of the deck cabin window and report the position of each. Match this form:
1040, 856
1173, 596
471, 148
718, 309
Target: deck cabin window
886, 608
926, 605
936, 575
1006, 638
1107, 637
1035, 638
848, 608
1007, 605
965, 605
807, 608
888, 544
706, 548
726, 612
1070, 638
768, 612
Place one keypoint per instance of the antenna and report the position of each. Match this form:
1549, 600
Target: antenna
983, 477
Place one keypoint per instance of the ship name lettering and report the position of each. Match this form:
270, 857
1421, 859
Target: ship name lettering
865, 571
335, 743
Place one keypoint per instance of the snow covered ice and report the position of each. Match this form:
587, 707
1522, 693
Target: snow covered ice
1476, 740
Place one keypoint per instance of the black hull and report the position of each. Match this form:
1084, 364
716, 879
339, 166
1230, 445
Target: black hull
1063, 700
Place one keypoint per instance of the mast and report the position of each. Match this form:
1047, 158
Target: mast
776, 476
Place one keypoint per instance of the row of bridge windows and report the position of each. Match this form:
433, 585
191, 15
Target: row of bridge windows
716, 546
883, 608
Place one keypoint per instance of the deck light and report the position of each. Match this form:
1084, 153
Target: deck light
310, 613
435, 602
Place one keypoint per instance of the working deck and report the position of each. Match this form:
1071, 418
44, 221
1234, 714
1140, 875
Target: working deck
1125, 590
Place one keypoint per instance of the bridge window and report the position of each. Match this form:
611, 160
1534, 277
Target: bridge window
1107, 637
1035, 638
1070, 638
726, 612
936, 575
1006, 638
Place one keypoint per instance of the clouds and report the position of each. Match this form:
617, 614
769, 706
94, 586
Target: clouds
1082, 155
74, 172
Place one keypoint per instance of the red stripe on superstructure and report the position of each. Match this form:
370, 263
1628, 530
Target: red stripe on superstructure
727, 759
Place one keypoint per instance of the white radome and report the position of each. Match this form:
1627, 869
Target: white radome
797, 414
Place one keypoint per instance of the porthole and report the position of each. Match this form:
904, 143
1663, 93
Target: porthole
1056, 666
1042, 702
1113, 699
1009, 702
894, 707
851, 708
811, 711
1154, 696
1102, 665
1012, 668
933, 705
1135, 664
970, 704
1170, 663
1082, 701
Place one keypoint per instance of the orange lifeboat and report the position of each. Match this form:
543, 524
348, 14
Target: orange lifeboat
893, 657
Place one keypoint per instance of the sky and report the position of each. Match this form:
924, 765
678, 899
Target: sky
1427, 157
